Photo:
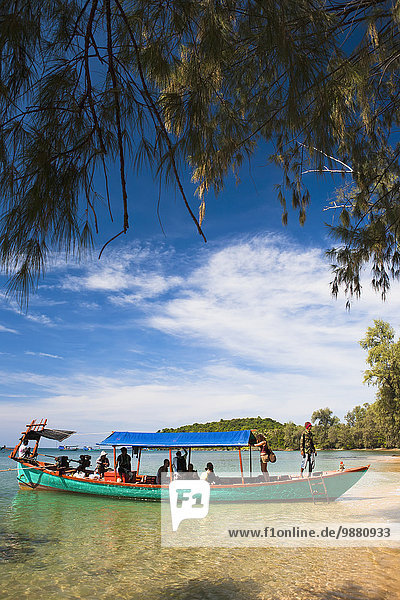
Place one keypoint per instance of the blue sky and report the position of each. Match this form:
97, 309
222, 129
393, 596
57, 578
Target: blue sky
166, 331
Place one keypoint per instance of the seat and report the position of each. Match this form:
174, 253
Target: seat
150, 479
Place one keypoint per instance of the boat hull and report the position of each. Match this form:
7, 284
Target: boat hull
325, 487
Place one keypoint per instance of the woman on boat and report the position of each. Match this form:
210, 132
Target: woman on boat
209, 474
102, 464
264, 454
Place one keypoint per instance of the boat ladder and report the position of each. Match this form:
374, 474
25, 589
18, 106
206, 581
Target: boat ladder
318, 489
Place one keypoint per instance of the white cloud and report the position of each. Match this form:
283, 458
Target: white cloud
257, 333
172, 396
43, 354
125, 276
11, 305
4, 329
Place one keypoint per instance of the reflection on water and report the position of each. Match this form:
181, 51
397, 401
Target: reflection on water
60, 545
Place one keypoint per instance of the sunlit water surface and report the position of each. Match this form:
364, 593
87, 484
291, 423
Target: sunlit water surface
57, 545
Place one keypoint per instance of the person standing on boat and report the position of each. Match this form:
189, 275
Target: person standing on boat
264, 454
124, 465
102, 464
179, 462
307, 449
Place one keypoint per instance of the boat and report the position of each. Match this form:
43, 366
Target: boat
59, 476
68, 448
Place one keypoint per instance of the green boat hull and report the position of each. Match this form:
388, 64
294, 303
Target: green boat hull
325, 487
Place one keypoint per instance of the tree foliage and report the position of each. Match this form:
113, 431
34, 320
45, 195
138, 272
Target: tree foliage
365, 427
198, 84
325, 422
259, 423
384, 372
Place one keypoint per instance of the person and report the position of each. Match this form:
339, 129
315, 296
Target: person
179, 462
264, 455
209, 474
83, 464
191, 473
163, 469
307, 449
124, 465
102, 464
24, 451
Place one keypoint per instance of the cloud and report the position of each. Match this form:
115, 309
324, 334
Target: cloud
12, 306
125, 276
243, 329
170, 397
43, 354
260, 301
4, 329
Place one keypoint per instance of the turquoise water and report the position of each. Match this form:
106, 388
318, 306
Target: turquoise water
60, 545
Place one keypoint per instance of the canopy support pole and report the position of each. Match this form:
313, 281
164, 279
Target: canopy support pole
250, 461
241, 465
138, 461
190, 455
115, 462
42, 424
170, 465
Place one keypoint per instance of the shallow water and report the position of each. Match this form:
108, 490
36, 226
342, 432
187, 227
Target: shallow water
61, 545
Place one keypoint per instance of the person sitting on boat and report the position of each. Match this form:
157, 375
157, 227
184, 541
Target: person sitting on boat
307, 449
102, 464
209, 474
163, 469
83, 464
264, 454
179, 462
190, 473
24, 451
124, 465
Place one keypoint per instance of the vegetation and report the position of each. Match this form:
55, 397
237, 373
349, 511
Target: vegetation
374, 425
384, 373
196, 84
231, 425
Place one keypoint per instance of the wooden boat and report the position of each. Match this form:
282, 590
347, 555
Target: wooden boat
36, 474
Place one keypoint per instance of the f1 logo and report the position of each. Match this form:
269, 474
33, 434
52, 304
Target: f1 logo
188, 500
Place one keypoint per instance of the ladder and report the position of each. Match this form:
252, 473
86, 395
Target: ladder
318, 489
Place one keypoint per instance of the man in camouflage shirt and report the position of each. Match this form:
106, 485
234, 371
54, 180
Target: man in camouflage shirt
307, 449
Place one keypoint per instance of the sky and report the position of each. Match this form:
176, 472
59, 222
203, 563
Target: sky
165, 330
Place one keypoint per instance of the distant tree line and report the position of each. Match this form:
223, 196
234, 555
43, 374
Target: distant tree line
363, 427
375, 425
229, 425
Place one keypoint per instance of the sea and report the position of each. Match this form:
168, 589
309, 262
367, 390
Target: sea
57, 545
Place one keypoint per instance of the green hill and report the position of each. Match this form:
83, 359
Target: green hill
229, 425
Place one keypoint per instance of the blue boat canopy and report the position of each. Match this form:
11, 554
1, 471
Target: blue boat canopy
184, 439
